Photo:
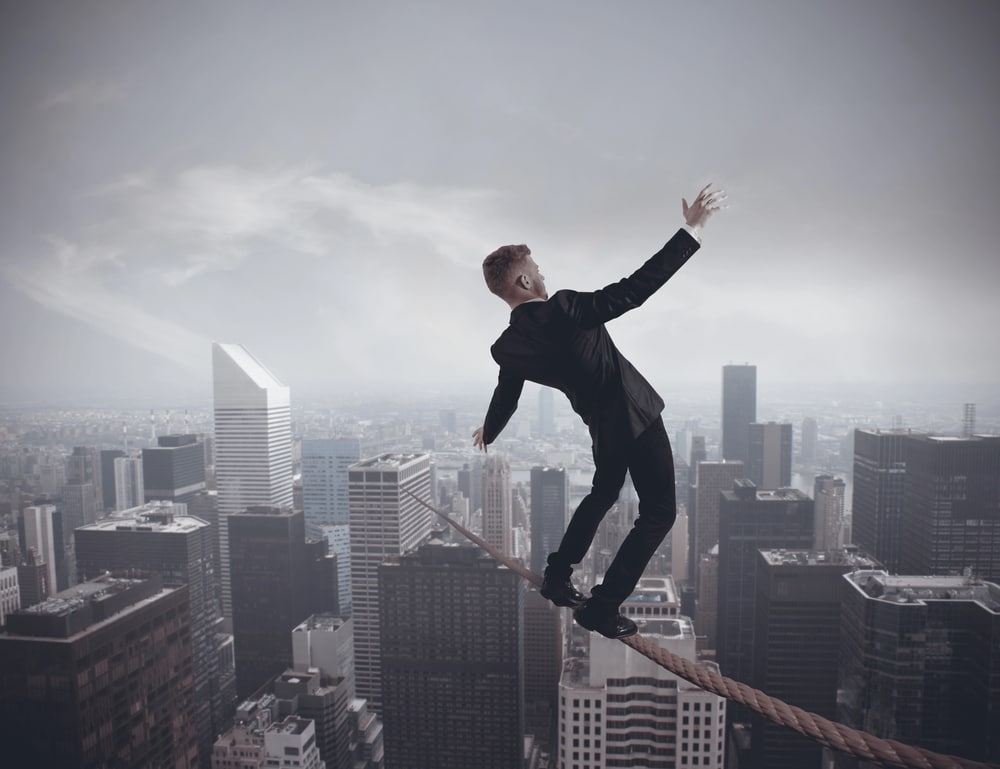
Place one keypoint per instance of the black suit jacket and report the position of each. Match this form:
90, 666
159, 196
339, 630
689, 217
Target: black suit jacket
562, 343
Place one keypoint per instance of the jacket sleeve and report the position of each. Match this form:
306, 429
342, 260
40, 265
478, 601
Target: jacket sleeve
591, 309
502, 405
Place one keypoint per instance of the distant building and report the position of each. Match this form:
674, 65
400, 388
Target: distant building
160, 536
259, 740
831, 523
367, 746
951, 504
174, 469
10, 592
497, 504
543, 656
549, 512
877, 504
324, 480
108, 457
810, 441
452, 650
129, 486
770, 455
797, 646
739, 410
386, 521
919, 662
83, 467
751, 519
253, 442
42, 533
470, 483
713, 479
101, 675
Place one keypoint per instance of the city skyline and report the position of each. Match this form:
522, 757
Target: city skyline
173, 178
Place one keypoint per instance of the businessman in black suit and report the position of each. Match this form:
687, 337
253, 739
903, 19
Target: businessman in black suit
561, 342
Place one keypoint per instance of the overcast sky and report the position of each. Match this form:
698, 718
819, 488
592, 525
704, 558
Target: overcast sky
321, 181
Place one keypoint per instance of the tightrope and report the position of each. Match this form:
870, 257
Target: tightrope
831, 734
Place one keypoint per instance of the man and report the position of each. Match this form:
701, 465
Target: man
562, 343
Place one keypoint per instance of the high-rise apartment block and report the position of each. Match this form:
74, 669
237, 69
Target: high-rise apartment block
174, 469
452, 649
919, 662
387, 520
100, 675
549, 512
751, 519
617, 708
770, 455
161, 537
253, 442
739, 410
497, 504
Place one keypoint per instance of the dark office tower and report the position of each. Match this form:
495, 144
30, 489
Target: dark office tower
100, 676
810, 439
321, 578
951, 501
549, 511
546, 412
452, 659
108, 457
174, 469
470, 483
713, 479
750, 520
918, 662
497, 504
180, 548
268, 565
698, 455
877, 506
797, 646
32, 579
739, 410
84, 466
542, 666
387, 520
770, 463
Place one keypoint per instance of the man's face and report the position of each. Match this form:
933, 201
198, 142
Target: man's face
536, 278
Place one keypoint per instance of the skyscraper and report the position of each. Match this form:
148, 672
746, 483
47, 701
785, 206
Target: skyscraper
770, 462
951, 504
497, 504
129, 486
161, 537
253, 442
877, 504
108, 457
546, 412
452, 645
828, 495
739, 410
713, 479
83, 466
39, 533
268, 563
797, 646
100, 675
325, 502
919, 663
174, 469
385, 523
810, 439
549, 512
749, 520
543, 656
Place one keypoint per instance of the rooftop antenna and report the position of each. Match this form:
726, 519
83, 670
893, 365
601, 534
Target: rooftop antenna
969, 422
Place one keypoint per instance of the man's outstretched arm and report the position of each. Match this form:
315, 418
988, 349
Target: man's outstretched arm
502, 408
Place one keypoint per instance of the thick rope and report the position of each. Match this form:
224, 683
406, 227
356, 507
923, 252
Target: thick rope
824, 731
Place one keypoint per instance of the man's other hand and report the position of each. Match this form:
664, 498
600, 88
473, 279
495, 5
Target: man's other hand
477, 438
705, 204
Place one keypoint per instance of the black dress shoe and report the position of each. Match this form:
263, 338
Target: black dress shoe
561, 592
609, 624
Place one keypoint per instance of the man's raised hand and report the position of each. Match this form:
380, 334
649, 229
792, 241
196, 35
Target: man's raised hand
477, 438
705, 204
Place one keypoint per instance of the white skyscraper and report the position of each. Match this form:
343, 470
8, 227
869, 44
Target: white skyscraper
38, 533
253, 442
129, 487
385, 523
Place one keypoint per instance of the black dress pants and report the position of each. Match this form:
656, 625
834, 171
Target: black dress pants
650, 461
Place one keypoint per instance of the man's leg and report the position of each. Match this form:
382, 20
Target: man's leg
607, 484
651, 464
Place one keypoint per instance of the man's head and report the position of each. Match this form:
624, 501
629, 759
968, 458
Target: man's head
512, 274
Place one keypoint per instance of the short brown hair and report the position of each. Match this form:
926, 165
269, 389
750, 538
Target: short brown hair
499, 266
